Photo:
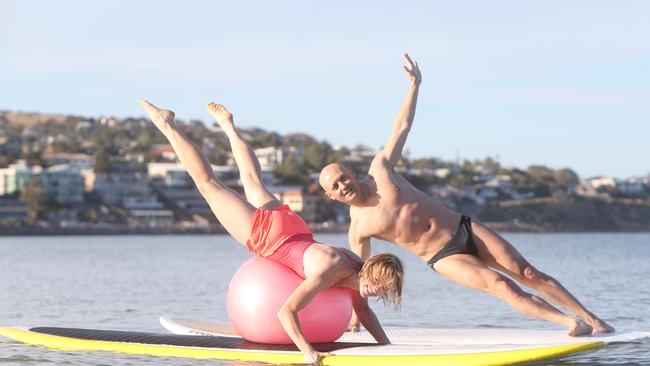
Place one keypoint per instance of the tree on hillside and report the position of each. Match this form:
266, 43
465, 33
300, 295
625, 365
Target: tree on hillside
102, 160
541, 173
35, 198
290, 171
316, 155
566, 177
260, 138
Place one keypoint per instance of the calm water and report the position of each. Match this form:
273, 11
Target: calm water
126, 283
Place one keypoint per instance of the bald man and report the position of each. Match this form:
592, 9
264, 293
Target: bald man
385, 206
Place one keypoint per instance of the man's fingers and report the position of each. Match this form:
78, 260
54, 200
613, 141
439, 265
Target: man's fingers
411, 64
408, 59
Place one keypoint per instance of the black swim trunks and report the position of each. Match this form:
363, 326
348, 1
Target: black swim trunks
461, 243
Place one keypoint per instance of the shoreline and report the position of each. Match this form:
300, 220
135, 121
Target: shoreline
125, 231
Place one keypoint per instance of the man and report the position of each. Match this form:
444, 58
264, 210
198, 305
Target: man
384, 205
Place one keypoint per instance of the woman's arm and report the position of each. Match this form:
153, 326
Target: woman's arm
368, 318
288, 315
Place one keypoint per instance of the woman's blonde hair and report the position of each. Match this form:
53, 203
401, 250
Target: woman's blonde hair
386, 271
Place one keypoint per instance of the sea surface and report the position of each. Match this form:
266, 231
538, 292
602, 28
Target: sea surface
127, 282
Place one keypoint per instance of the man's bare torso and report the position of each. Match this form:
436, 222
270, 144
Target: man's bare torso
396, 211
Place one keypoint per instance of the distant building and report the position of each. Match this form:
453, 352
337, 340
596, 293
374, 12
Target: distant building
175, 174
360, 154
587, 190
73, 160
63, 183
442, 173
604, 182
164, 151
84, 125
632, 186
482, 170
12, 209
114, 188
478, 193
272, 156
500, 181
186, 200
15, 178
445, 193
108, 121
297, 200
9, 146
141, 202
151, 218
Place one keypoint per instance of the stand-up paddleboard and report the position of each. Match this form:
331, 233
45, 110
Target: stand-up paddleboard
343, 353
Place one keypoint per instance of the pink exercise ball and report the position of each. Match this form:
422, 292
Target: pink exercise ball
261, 286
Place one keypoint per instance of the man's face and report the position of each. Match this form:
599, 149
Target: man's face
340, 184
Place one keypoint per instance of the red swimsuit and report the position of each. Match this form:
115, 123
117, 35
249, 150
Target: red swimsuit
282, 236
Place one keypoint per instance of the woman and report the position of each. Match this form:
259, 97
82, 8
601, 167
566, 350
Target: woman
272, 230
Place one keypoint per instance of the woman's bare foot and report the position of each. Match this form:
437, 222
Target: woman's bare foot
162, 118
600, 326
221, 115
578, 327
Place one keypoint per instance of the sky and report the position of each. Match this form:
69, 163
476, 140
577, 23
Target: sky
556, 83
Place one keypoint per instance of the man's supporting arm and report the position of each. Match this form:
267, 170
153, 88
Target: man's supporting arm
358, 244
361, 247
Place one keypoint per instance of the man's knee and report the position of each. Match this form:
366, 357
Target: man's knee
505, 288
533, 276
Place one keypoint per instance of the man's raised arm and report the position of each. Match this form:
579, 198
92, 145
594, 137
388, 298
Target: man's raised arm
404, 119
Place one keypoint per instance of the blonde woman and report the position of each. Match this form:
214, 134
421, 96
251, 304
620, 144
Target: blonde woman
266, 227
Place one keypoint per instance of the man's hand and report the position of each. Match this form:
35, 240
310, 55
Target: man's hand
412, 70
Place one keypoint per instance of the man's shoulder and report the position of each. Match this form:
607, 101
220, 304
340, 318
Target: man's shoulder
380, 161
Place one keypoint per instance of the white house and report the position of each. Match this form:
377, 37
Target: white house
14, 178
598, 182
272, 156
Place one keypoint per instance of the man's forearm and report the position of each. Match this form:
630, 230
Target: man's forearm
406, 113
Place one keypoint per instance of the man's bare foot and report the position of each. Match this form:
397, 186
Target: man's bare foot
579, 327
600, 326
221, 115
162, 118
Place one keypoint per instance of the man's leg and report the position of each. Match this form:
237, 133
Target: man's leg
470, 271
249, 167
497, 253
231, 209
